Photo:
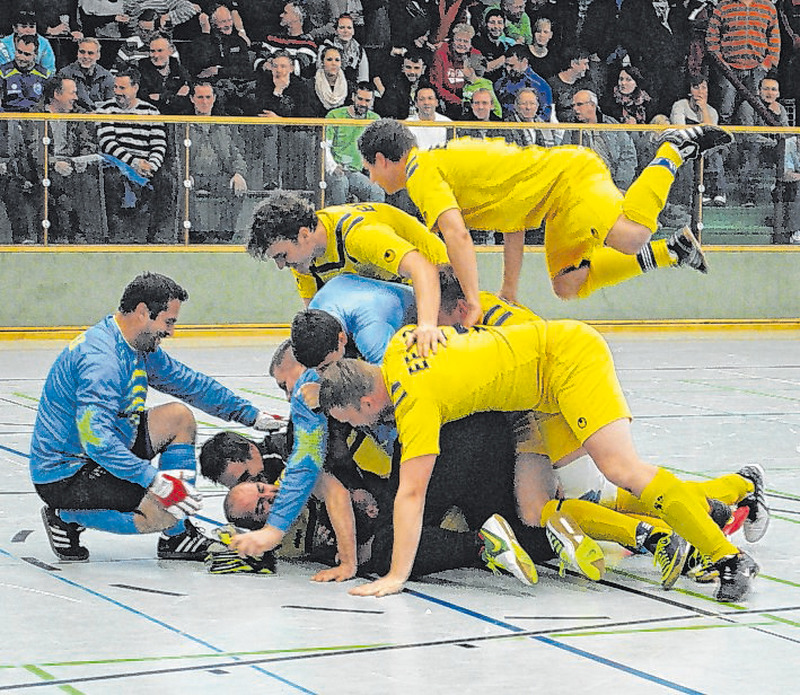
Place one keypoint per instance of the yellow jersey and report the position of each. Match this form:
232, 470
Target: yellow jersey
497, 186
368, 239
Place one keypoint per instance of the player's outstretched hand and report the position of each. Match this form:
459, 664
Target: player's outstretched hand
335, 574
427, 339
385, 586
266, 422
255, 543
177, 495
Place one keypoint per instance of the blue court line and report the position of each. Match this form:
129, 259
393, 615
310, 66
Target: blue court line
160, 623
553, 643
15, 451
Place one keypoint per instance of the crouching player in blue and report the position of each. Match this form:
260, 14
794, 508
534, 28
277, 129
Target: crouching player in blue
94, 439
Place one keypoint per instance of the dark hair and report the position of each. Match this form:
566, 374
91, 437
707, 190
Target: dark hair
27, 38
279, 354
518, 51
53, 85
131, 72
416, 55
315, 334
345, 15
155, 290
344, 383
450, 288
364, 86
203, 83
279, 216
387, 136
635, 74
221, 448
492, 12
149, 15
574, 53
24, 18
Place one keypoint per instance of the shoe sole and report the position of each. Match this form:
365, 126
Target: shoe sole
588, 557
697, 249
522, 566
751, 534
56, 551
676, 568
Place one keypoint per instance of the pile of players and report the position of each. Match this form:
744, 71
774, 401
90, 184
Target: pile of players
440, 425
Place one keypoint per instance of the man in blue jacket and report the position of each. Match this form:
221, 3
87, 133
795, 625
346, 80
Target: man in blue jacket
94, 438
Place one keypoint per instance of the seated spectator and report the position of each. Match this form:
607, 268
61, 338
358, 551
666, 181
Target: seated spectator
134, 153
280, 93
217, 168
344, 168
519, 74
22, 79
427, 111
492, 42
758, 150
615, 147
526, 110
24, 24
568, 81
786, 191
354, 59
75, 213
330, 83
447, 69
696, 110
293, 39
137, 46
629, 102
165, 82
95, 84
223, 58
474, 67
399, 98
481, 109
543, 60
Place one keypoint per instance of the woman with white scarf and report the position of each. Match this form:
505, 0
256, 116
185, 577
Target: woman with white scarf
330, 83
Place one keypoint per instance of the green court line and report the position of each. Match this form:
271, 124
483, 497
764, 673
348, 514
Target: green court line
24, 395
592, 633
266, 395
780, 581
738, 389
45, 676
779, 619
178, 657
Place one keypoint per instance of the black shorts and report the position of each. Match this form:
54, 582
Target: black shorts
93, 487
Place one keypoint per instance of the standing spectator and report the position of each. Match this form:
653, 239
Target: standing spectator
223, 58
323, 14
518, 75
165, 82
22, 79
695, 110
354, 59
526, 110
629, 102
615, 147
344, 169
217, 166
399, 98
758, 150
492, 42
568, 81
99, 18
518, 24
330, 83
25, 25
543, 59
447, 74
293, 39
95, 84
137, 45
426, 111
178, 17
744, 34
135, 152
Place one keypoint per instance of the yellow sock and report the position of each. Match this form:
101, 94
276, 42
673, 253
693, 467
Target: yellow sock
684, 508
608, 267
647, 195
730, 489
597, 522
631, 506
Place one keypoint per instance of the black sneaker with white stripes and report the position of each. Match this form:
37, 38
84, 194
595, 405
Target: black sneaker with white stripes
757, 521
191, 544
64, 538
696, 140
736, 574
685, 248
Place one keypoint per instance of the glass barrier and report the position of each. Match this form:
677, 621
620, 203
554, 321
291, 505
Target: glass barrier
61, 184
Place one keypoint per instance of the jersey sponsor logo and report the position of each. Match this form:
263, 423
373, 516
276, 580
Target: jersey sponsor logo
85, 432
389, 255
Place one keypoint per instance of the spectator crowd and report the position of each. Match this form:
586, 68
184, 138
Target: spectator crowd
482, 61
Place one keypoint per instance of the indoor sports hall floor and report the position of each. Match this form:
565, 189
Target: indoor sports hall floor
705, 403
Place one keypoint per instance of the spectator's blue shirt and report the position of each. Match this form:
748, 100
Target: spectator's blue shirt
21, 91
307, 458
45, 56
508, 86
370, 311
93, 399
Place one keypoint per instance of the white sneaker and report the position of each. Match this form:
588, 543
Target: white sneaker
574, 548
502, 551
795, 238
720, 200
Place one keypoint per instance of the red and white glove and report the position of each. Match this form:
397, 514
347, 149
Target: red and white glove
177, 495
267, 422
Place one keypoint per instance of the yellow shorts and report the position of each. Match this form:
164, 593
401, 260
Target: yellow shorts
587, 203
580, 383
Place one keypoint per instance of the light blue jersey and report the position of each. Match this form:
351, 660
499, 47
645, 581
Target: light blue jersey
370, 311
93, 399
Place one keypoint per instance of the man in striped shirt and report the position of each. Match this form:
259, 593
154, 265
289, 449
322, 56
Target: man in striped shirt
745, 35
134, 152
